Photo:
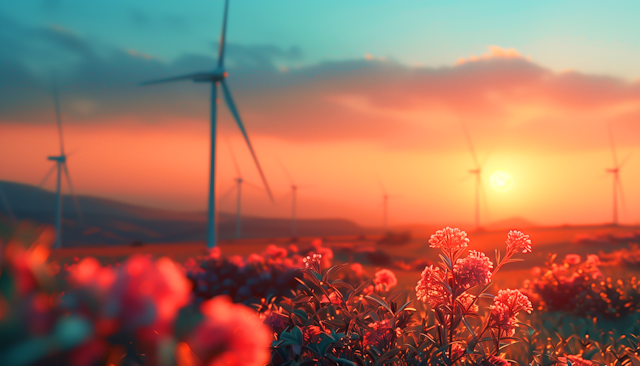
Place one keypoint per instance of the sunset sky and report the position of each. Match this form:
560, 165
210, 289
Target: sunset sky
343, 94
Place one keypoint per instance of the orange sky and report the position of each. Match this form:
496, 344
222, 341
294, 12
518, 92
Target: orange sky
337, 126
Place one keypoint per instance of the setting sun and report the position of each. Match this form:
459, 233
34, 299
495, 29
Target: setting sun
501, 181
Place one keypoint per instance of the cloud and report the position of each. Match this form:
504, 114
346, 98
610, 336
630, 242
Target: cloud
504, 97
494, 52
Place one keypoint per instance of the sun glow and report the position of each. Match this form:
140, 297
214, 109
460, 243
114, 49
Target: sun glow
501, 181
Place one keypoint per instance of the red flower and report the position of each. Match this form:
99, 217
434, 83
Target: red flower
505, 309
385, 279
474, 270
312, 262
430, 289
517, 241
449, 238
572, 259
231, 334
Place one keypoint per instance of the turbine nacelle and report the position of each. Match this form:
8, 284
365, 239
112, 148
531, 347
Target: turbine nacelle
614, 170
59, 159
474, 171
207, 77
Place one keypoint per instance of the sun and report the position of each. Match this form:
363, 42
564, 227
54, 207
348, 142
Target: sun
500, 181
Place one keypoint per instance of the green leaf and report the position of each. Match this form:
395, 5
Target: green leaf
332, 270
374, 297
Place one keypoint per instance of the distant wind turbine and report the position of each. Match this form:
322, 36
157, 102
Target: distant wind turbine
215, 77
385, 205
61, 165
294, 199
617, 184
477, 171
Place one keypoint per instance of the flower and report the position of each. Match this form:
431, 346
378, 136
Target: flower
381, 337
385, 279
357, 269
430, 289
468, 303
474, 270
276, 321
578, 361
506, 306
310, 334
517, 241
312, 262
493, 361
572, 259
449, 238
230, 334
515, 300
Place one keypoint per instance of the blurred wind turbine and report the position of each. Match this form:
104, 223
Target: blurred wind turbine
61, 165
385, 203
479, 189
617, 184
215, 77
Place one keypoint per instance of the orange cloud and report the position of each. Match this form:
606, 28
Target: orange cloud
494, 52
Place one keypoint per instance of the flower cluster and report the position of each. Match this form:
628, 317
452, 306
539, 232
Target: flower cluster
505, 309
448, 238
473, 270
312, 262
384, 280
518, 242
430, 288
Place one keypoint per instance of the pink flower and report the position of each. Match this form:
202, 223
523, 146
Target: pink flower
449, 238
230, 334
312, 262
385, 279
357, 269
275, 252
515, 300
572, 259
468, 303
505, 309
517, 241
578, 361
147, 294
255, 259
276, 321
474, 270
494, 361
430, 289
310, 334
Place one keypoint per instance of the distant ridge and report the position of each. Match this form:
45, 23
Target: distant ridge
512, 223
108, 222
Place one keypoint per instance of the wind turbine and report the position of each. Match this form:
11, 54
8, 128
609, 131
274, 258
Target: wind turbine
215, 77
61, 165
616, 179
477, 171
385, 205
294, 200
238, 188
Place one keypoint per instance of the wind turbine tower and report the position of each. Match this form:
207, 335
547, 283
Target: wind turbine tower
215, 77
477, 171
617, 185
61, 167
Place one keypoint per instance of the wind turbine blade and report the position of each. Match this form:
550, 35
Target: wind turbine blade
624, 161
44, 180
286, 171
5, 201
233, 157
174, 78
470, 143
226, 195
56, 102
613, 146
223, 36
73, 193
486, 157
236, 115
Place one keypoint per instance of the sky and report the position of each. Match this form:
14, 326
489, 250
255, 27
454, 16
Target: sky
350, 98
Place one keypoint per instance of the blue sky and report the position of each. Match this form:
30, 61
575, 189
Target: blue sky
587, 36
